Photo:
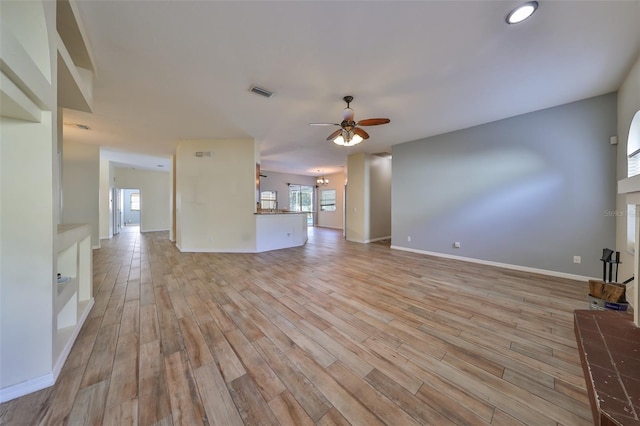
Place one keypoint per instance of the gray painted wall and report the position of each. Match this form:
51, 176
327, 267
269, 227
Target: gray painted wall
275, 181
532, 190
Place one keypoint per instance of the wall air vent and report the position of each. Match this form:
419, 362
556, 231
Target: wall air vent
382, 154
260, 91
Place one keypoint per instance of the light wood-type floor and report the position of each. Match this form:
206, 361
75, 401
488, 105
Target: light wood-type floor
329, 333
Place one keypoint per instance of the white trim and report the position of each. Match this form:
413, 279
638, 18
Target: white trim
355, 241
373, 240
26, 387
153, 230
67, 348
207, 250
499, 265
329, 227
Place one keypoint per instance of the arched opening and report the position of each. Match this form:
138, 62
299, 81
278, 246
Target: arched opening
633, 169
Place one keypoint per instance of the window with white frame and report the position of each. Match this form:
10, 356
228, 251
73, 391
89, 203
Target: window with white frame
135, 201
268, 200
328, 200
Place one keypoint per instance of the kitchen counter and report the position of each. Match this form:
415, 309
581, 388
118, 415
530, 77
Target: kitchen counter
278, 230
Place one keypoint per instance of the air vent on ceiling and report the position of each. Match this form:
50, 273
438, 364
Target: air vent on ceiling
260, 91
383, 154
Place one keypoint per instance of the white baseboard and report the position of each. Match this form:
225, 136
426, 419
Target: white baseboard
373, 240
49, 379
200, 250
153, 230
26, 387
498, 264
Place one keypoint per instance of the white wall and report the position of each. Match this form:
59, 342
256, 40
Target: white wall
81, 186
333, 219
357, 228
155, 196
172, 200
28, 199
26, 249
105, 205
216, 195
278, 231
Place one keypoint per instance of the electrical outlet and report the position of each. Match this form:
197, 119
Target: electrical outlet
577, 259
456, 244
409, 239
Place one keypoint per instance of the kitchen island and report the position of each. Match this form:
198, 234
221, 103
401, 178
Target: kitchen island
280, 229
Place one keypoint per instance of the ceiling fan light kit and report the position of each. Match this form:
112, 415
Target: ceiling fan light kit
347, 139
349, 133
522, 12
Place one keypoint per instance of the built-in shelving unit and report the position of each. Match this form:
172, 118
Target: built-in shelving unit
46, 66
73, 295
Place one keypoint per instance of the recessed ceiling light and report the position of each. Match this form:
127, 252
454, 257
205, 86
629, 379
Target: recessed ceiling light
522, 12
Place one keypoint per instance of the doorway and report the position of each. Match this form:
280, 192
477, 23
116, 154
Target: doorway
301, 200
126, 210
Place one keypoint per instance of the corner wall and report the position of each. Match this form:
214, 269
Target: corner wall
216, 195
106, 222
334, 219
357, 211
81, 186
380, 198
155, 196
531, 191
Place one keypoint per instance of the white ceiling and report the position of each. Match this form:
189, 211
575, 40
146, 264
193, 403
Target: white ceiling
172, 70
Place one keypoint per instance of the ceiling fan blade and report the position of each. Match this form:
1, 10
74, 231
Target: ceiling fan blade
358, 131
323, 124
372, 121
333, 135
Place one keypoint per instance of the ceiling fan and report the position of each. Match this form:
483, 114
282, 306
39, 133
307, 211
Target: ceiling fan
350, 133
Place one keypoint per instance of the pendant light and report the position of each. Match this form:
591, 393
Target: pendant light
322, 180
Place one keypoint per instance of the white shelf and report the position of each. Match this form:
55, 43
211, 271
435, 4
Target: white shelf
73, 298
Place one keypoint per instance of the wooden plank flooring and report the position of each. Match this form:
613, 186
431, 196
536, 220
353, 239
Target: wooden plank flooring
330, 333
